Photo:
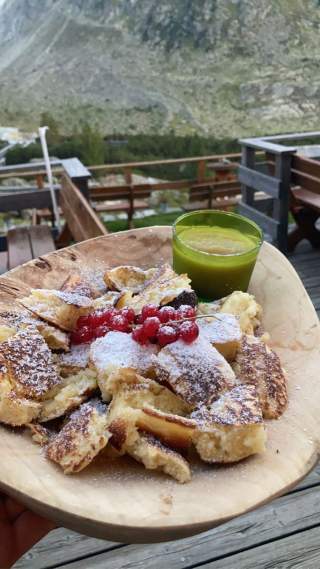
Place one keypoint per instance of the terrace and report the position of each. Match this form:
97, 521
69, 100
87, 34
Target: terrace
268, 183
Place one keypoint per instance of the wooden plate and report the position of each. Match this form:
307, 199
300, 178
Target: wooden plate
124, 502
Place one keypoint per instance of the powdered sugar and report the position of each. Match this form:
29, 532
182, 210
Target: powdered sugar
240, 406
119, 350
73, 298
224, 328
29, 360
196, 372
77, 357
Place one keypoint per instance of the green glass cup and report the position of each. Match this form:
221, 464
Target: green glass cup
216, 274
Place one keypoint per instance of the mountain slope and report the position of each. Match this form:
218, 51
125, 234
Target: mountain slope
228, 67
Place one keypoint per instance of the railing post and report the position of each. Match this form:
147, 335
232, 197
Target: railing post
281, 206
40, 181
128, 180
275, 184
201, 174
79, 175
247, 160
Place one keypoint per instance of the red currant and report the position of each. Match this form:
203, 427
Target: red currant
128, 313
82, 335
188, 331
139, 336
119, 323
104, 316
149, 310
185, 311
151, 326
101, 331
167, 335
166, 313
84, 321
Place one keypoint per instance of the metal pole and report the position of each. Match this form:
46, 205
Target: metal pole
42, 135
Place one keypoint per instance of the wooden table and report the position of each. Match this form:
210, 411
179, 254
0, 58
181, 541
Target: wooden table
284, 534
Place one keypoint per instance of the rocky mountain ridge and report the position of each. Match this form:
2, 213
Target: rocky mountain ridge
224, 67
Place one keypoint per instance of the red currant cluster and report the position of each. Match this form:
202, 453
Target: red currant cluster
157, 325
99, 323
166, 325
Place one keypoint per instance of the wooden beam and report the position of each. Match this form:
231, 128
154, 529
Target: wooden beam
248, 161
201, 170
281, 206
262, 144
82, 221
75, 168
26, 200
306, 198
268, 224
78, 174
306, 165
113, 167
128, 180
144, 190
305, 181
31, 167
29, 174
293, 136
259, 181
64, 238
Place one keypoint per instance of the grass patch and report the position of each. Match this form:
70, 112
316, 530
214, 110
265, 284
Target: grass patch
158, 219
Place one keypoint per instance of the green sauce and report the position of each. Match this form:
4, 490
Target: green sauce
217, 240
218, 259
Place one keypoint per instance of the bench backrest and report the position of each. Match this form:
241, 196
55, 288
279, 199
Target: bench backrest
82, 221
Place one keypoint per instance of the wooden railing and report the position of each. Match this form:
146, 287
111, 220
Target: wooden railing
217, 188
270, 173
215, 185
290, 181
305, 172
81, 222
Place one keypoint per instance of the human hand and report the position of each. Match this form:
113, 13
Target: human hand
20, 529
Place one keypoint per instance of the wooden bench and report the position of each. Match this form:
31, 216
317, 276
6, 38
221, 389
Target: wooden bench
222, 195
305, 201
129, 199
118, 207
27, 243
305, 210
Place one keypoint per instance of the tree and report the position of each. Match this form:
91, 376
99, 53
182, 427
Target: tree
92, 145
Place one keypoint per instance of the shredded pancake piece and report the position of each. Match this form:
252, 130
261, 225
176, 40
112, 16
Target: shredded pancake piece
195, 372
81, 439
231, 428
260, 366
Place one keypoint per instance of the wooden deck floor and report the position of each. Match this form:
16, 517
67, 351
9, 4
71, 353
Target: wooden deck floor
285, 534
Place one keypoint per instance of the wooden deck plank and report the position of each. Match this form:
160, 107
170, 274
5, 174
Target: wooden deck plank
19, 247
62, 545
295, 552
41, 240
3, 261
291, 513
